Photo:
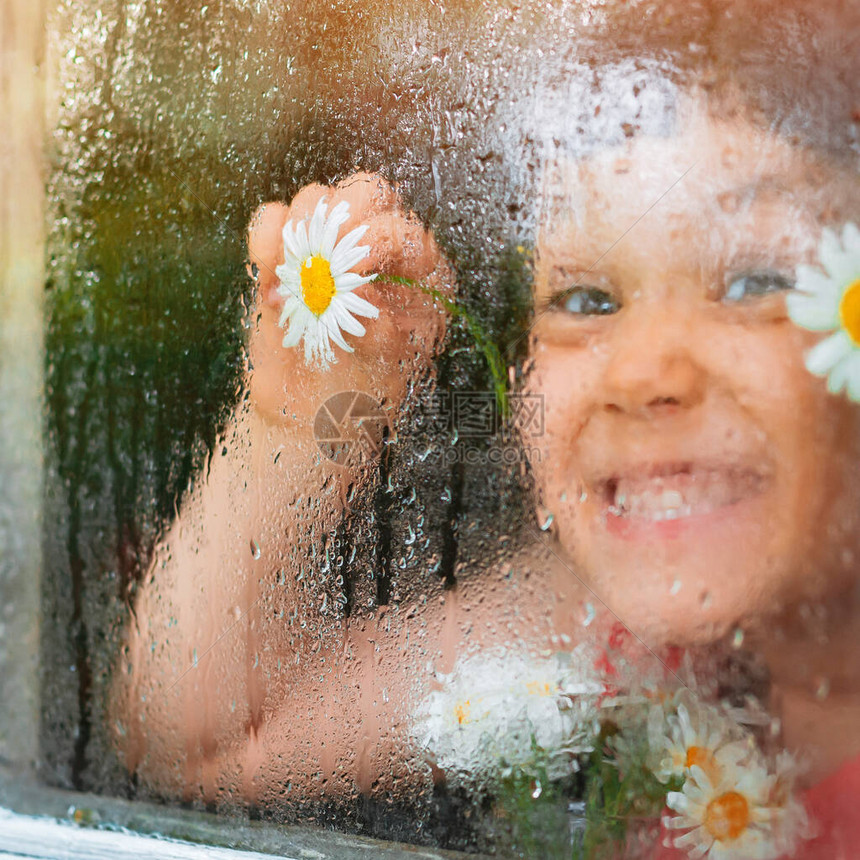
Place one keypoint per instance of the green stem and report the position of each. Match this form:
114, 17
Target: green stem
487, 346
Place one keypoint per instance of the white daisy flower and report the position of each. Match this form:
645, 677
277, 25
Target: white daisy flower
831, 301
695, 736
493, 710
317, 284
744, 814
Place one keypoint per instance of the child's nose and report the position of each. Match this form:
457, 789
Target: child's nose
652, 366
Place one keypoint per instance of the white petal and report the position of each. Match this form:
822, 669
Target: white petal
718, 852
289, 272
838, 377
816, 313
347, 321
697, 842
830, 251
336, 219
317, 226
290, 290
700, 778
290, 293
732, 754
695, 836
349, 281
328, 321
847, 272
851, 238
291, 306
843, 266
829, 352
317, 348
677, 800
811, 280
290, 286
677, 822
303, 250
343, 261
359, 306
291, 246
293, 334
348, 242
687, 733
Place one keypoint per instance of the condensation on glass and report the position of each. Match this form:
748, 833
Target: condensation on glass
513, 604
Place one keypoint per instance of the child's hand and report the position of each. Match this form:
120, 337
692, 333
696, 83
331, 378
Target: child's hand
410, 324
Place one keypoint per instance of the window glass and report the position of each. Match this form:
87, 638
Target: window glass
452, 414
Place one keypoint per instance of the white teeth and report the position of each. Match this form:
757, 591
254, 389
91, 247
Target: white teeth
673, 497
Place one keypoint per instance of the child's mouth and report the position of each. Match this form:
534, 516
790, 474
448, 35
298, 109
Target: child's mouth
678, 491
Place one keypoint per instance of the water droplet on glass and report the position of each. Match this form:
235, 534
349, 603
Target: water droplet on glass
545, 518
729, 201
590, 615
255, 549
536, 789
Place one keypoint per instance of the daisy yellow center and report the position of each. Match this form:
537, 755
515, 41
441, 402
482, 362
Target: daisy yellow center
538, 688
461, 712
727, 816
700, 756
318, 287
849, 310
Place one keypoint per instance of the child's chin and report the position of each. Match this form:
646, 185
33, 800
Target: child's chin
677, 605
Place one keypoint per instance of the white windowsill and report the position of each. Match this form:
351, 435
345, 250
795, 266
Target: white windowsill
36, 822
49, 839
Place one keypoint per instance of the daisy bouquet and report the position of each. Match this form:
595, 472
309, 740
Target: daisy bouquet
700, 763
499, 714
590, 736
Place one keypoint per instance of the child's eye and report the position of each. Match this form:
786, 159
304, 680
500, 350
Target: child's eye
589, 301
749, 285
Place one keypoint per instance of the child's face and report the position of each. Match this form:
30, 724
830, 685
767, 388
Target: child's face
697, 473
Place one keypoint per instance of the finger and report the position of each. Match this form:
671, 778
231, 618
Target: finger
399, 245
367, 194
